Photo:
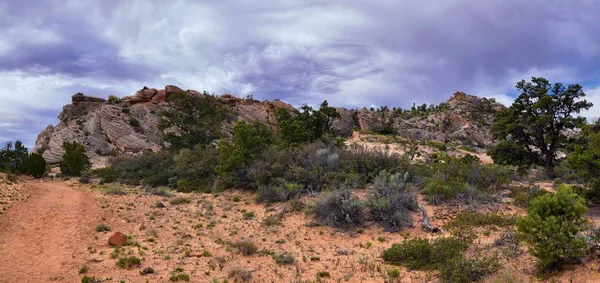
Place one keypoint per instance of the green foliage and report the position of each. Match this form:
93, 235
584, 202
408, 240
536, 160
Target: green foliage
179, 277
468, 270
35, 165
339, 208
153, 168
102, 228
74, 160
235, 155
586, 158
522, 196
467, 219
390, 201
194, 168
281, 174
13, 157
284, 258
87, 279
533, 128
553, 227
307, 126
115, 190
129, 262
453, 178
107, 174
191, 120
112, 99
246, 248
422, 254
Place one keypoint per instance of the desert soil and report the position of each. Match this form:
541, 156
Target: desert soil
50, 235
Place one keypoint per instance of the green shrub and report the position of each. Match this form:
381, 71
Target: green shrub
112, 99
468, 270
151, 168
522, 196
235, 155
129, 262
273, 220
339, 208
35, 165
279, 192
115, 190
74, 160
390, 201
553, 227
179, 277
454, 178
108, 174
246, 248
194, 168
466, 219
420, 253
87, 279
284, 258
323, 274
102, 227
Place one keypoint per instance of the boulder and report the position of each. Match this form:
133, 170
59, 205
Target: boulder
118, 239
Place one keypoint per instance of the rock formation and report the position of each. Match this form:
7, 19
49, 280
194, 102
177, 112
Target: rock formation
128, 126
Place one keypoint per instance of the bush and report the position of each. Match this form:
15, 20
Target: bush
339, 208
112, 99
522, 196
129, 262
468, 270
194, 168
102, 228
240, 275
390, 201
153, 168
87, 279
246, 248
279, 192
35, 165
115, 190
553, 227
179, 277
421, 254
86, 177
466, 219
235, 155
454, 178
108, 174
284, 258
74, 160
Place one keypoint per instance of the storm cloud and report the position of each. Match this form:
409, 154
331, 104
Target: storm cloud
352, 53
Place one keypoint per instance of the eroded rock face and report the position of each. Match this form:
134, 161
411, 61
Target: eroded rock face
130, 126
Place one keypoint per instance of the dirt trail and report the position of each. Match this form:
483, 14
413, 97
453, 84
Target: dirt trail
41, 239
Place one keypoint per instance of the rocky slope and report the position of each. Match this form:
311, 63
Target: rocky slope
128, 125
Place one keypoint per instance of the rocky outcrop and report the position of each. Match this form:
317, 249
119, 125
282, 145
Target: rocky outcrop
464, 119
129, 125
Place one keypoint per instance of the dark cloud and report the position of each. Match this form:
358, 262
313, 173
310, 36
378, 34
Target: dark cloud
353, 53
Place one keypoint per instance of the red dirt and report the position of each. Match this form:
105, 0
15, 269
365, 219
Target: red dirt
42, 238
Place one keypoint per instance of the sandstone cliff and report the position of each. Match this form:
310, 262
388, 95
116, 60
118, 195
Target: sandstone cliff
128, 125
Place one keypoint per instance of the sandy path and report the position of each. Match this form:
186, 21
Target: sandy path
42, 238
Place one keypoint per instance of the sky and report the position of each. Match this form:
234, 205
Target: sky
351, 53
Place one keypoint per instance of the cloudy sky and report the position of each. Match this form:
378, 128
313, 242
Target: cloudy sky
352, 53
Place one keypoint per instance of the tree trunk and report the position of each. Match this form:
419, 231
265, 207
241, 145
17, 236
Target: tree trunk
549, 166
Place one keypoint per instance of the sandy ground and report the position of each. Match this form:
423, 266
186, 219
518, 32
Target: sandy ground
47, 234
42, 238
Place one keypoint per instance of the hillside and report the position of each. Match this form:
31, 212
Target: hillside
128, 125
